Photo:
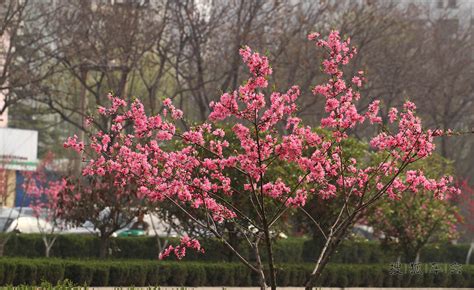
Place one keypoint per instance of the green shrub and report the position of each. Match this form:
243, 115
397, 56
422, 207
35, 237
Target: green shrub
80, 273
9, 272
241, 275
134, 248
119, 274
353, 276
284, 276
25, 274
292, 250
372, 277
137, 274
153, 274
164, 274
27, 245
441, 279
335, 277
289, 250
76, 246
17, 271
52, 271
229, 274
179, 273
196, 274
445, 253
101, 275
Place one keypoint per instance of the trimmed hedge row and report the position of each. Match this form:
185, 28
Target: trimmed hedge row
14, 271
87, 246
293, 250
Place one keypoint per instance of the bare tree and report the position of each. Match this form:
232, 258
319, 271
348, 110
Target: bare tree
99, 48
23, 48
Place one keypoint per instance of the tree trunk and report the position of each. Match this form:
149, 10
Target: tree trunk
104, 247
48, 245
417, 257
469, 253
261, 280
333, 240
161, 246
271, 262
47, 251
322, 261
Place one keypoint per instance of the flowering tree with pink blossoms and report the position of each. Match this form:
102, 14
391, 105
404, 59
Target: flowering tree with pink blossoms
414, 219
45, 200
101, 201
198, 176
466, 203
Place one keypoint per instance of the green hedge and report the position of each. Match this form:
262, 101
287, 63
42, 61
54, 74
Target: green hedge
293, 250
356, 252
18, 271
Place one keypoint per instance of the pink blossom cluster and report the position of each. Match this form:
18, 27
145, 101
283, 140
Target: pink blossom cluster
44, 192
341, 95
416, 181
251, 101
73, 144
180, 250
410, 138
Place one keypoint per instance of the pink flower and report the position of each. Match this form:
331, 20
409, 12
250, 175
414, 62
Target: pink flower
393, 115
219, 133
72, 143
373, 112
313, 36
100, 171
102, 110
357, 81
167, 102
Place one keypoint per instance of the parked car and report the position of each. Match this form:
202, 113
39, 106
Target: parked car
84, 229
154, 227
129, 232
29, 225
12, 219
363, 231
150, 225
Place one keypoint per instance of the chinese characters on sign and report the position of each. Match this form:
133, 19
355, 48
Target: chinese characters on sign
416, 268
